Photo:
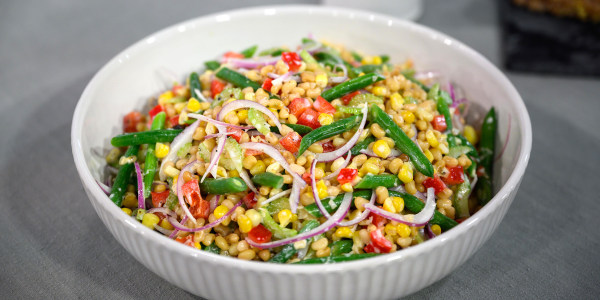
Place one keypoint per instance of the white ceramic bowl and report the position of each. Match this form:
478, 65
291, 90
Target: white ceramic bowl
125, 83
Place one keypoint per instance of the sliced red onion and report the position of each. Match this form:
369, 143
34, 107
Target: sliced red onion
252, 63
297, 186
180, 181
456, 123
180, 140
451, 91
140, 186
285, 77
216, 153
401, 189
327, 225
163, 230
275, 197
181, 227
216, 135
201, 96
414, 138
333, 155
339, 79
237, 104
419, 219
175, 231
213, 202
315, 193
215, 122
162, 210
363, 215
427, 75
334, 174
429, 232
506, 140
369, 152
103, 187
246, 178
293, 77
474, 182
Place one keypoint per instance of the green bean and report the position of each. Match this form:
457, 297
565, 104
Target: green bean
223, 186
289, 250
335, 259
212, 65
403, 142
195, 85
328, 131
356, 56
364, 144
307, 58
237, 79
300, 129
410, 76
460, 199
486, 154
351, 86
151, 161
268, 179
367, 68
213, 248
341, 247
145, 137
276, 51
313, 209
371, 181
120, 185
249, 52
442, 106
278, 231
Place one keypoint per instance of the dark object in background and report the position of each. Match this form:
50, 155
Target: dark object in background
543, 43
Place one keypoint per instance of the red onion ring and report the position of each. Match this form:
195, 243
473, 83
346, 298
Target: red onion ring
213, 202
103, 187
315, 193
163, 230
237, 104
327, 225
369, 152
140, 186
246, 178
429, 232
181, 139
333, 155
216, 135
279, 80
216, 153
340, 79
180, 181
215, 122
419, 219
175, 231
334, 174
162, 210
252, 63
199, 93
363, 215
275, 197
181, 227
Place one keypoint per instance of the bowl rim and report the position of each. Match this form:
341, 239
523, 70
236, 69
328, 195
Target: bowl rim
116, 213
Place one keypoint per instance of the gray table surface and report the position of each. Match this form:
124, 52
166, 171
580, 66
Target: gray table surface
52, 244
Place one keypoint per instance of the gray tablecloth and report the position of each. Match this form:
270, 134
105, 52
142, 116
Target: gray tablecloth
52, 244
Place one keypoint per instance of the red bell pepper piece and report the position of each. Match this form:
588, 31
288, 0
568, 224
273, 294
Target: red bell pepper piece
174, 120
237, 133
200, 209
155, 110
291, 141
267, 85
251, 152
260, 234
323, 106
346, 99
306, 178
439, 123
346, 175
216, 87
377, 220
191, 191
310, 118
131, 120
298, 106
380, 242
436, 183
249, 200
232, 54
158, 199
179, 90
187, 240
328, 146
455, 175
292, 59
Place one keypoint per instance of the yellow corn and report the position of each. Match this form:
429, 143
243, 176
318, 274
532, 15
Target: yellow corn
321, 166
343, 232
220, 211
380, 91
431, 139
428, 154
370, 167
321, 80
244, 223
193, 105
179, 106
322, 189
366, 60
398, 203
347, 187
234, 173
390, 229
126, 210
222, 172
406, 173
284, 216
470, 134
388, 205
161, 150
166, 224
250, 96
376, 60
325, 119
197, 245
183, 117
242, 114
149, 220
396, 101
164, 97
381, 149
254, 217
437, 230
259, 167
403, 230
408, 117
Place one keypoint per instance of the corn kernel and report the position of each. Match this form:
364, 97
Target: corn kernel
164, 97
376, 60
126, 210
254, 217
408, 117
343, 232
179, 106
398, 203
366, 60
325, 119
220, 211
321, 80
321, 166
406, 173
171, 171
403, 230
244, 223
197, 245
396, 101
381, 149
193, 105
390, 229
428, 154
388, 205
322, 189
284, 216
431, 139
166, 224
250, 96
470, 134
347, 187
161, 150
242, 114
369, 167
436, 229
183, 117
379, 91
149, 220
259, 167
